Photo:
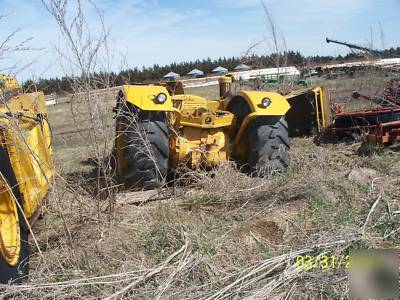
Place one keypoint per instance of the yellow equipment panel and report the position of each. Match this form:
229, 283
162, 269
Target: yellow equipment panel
26, 157
144, 97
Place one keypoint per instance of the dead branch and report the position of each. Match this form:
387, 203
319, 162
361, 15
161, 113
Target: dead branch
148, 274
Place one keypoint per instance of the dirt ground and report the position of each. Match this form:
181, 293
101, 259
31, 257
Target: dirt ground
224, 236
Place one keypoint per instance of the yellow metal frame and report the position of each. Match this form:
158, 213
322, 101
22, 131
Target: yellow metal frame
246, 121
322, 108
9, 224
25, 134
319, 108
201, 136
207, 120
199, 146
144, 97
278, 107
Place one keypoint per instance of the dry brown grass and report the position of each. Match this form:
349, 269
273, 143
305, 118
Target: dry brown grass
229, 234
225, 235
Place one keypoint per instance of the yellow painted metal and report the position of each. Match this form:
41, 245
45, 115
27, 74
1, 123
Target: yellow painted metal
215, 119
199, 146
190, 103
318, 109
144, 97
246, 122
323, 112
9, 228
201, 127
25, 134
225, 83
278, 107
198, 112
8, 84
225, 79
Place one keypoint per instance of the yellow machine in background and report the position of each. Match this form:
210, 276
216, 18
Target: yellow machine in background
310, 112
26, 169
160, 127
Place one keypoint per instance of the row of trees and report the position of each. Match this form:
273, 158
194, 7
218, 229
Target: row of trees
156, 72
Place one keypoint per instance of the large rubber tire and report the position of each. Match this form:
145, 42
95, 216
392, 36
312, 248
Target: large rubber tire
268, 143
146, 149
19, 272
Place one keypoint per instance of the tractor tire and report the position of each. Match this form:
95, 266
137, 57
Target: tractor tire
18, 273
146, 150
268, 143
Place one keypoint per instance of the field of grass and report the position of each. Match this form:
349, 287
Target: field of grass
224, 236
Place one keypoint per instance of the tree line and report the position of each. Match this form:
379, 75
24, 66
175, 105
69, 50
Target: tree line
156, 72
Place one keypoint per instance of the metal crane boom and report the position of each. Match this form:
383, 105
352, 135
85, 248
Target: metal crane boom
352, 46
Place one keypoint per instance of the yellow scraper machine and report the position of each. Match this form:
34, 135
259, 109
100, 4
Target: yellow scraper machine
159, 127
25, 172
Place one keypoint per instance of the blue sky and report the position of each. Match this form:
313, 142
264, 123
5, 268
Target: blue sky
165, 31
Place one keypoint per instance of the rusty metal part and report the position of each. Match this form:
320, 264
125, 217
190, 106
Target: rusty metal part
392, 92
386, 133
380, 125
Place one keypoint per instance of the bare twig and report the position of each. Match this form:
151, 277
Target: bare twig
147, 275
371, 210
